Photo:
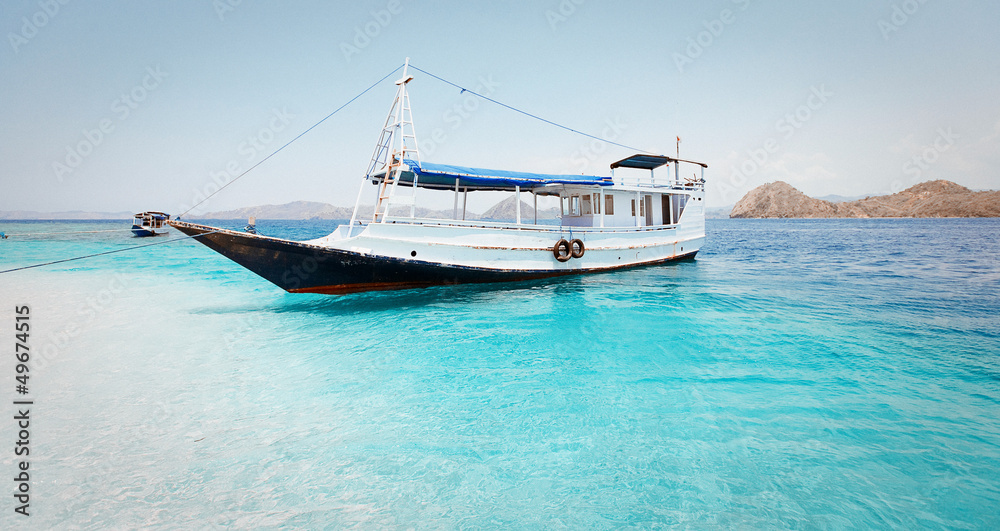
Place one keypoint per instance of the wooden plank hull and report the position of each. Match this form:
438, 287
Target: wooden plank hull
301, 267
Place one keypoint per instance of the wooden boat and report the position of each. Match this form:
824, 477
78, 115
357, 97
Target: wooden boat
148, 223
633, 217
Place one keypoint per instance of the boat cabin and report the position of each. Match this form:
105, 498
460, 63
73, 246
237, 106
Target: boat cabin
147, 223
634, 198
642, 214
637, 199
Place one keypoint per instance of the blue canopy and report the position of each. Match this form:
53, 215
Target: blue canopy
443, 176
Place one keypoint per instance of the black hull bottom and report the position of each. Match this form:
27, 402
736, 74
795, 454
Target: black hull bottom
143, 232
300, 268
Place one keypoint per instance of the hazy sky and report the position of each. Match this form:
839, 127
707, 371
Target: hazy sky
139, 105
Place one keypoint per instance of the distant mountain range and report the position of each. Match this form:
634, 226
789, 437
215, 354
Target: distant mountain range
502, 211
505, 211
932, 199
718, 212
303, 210
833, 198
71, 214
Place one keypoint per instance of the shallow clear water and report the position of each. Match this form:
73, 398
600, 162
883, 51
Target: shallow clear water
798, 374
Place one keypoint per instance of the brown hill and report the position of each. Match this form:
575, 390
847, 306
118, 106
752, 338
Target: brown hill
932, 199
505, 211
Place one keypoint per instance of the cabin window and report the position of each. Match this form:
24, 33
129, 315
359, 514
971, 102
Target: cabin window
565, 206
597, 203
574, 205
609, 205
585, 205
642, 211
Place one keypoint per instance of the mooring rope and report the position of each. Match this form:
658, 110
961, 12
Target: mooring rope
300, 135
223, 187
526, 113
107, 252
61, 233
275, 152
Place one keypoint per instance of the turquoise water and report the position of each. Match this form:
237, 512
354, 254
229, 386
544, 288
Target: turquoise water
798, 374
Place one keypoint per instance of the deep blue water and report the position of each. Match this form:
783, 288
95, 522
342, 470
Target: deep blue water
798, 374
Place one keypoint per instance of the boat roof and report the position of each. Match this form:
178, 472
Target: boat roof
650, 162
443, 177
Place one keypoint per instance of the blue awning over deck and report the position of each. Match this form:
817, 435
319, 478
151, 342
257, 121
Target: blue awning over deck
443, 176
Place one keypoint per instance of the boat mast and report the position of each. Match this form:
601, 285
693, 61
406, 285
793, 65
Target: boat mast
398, 141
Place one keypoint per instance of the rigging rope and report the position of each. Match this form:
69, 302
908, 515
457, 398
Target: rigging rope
223, 187
550, 122
107, 252
300, 135
61, 233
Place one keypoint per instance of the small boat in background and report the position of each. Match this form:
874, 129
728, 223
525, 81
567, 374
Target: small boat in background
147, 223
251, 227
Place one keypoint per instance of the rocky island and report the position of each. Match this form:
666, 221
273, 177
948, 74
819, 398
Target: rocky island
932, 199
